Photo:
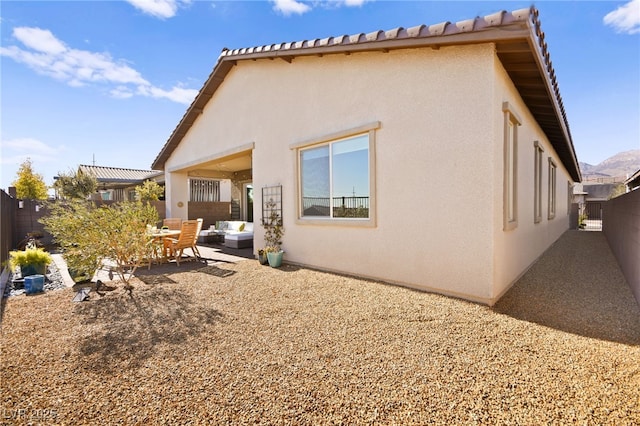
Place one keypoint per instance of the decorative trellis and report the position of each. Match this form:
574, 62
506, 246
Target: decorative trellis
271, 202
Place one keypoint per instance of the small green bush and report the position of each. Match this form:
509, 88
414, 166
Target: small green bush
30, 256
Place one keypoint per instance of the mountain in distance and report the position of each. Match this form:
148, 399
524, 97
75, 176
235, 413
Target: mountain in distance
622, 164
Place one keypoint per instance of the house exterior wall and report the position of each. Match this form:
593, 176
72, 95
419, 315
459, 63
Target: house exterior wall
516, 250
438, 162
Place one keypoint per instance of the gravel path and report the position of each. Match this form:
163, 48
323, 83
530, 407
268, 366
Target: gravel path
244, 343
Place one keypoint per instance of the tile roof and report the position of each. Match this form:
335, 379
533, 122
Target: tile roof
115, 174
519, 42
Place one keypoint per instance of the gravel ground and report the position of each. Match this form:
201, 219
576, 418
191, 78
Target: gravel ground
244, 343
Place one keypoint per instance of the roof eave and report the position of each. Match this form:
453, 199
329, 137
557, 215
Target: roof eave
545, 68
516, 29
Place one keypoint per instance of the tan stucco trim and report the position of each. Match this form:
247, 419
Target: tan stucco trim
370, 222
213, 157
537, 181
510, 118
552, 204
336, 135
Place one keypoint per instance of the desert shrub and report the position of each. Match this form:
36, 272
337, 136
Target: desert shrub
88, 235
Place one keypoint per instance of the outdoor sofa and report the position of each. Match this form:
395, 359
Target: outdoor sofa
236, 233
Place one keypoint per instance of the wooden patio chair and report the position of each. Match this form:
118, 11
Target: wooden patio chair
188, 237
173, 223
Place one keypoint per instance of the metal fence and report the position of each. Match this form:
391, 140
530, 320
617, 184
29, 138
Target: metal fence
593, 210
342, 206
7, 221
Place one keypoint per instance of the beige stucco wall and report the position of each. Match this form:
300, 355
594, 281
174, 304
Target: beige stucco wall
437, 164
516, 250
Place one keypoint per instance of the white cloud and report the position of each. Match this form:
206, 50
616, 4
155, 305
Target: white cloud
626, 18
15, 151
40, 40
49, 56
354, 3
287, 7
159, 8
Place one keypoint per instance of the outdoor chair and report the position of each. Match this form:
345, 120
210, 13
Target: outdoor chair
173, 223
188, 237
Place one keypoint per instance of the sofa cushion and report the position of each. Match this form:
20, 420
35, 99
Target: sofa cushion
238, 236
234, 225
241, 227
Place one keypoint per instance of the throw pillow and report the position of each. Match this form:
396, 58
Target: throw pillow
241, 227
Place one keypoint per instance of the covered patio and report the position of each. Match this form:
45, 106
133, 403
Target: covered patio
215, 187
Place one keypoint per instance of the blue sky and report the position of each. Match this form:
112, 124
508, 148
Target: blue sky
110, 80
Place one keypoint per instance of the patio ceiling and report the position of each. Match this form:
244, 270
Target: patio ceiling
223, 166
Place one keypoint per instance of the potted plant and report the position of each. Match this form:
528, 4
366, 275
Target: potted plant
274, 256
273, 235
262, 256
31, 261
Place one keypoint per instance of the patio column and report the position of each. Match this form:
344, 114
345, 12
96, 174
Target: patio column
177, 195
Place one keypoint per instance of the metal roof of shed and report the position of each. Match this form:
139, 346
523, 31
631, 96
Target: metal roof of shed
115, 174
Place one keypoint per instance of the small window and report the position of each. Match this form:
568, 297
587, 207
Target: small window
511, 123
336, 178
204, 190
537, 197
552, 189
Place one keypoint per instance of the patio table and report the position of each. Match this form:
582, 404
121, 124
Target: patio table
158, 238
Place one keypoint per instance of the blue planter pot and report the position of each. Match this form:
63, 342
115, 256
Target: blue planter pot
275, 259
33, 269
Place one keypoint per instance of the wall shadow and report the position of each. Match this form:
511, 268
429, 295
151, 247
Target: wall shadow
577, 287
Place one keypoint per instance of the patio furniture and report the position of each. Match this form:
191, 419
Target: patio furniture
187, 239
210, 236
238, 234
172, 223
158, 251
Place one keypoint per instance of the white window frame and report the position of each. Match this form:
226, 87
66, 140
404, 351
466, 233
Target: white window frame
552, 189
537, 182
510, 153
296, 148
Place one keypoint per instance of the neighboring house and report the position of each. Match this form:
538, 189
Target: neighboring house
591, 197
633, 182
436, 157
118, 184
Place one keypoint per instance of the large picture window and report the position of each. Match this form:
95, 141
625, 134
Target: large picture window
334, 179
